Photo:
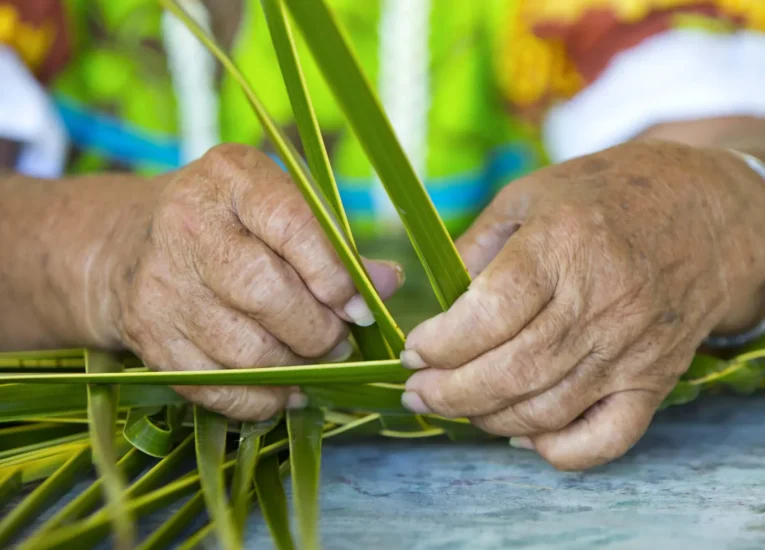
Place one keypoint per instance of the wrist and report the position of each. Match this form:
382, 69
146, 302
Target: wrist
744, 257
121, 254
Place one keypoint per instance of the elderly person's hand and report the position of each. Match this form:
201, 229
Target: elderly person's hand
230, 269
596, 281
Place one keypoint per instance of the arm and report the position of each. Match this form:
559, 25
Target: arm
746, 135
62, 240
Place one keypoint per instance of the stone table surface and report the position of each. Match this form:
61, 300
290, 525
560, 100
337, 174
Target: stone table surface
696, 480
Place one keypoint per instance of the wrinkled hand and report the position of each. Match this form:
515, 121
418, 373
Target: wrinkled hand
232, 270
598, 279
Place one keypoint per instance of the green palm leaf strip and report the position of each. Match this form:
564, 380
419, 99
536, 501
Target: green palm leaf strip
19, 401
153, 435
359, 372
10, 485
44, 359
41, 464
273, 502
102, 413
210, 430
143, 497
314, 197
305, 432
370, 339
305, 117
91, 530
250, 439
165, 535
74, 438
53, 487
162, 470
86, 502
35, 433
355, 95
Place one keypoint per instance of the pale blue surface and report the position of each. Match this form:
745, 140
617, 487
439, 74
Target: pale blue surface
697, 480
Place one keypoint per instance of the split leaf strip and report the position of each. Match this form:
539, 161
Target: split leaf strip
306, 428
210, 430
273, 502
355, 95
102, 413
56, 485
250, 439
356, 372
167, 533
86, 502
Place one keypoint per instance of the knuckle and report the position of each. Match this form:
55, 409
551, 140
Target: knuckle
232, 156
323, 339
290, 224
439, 401
494, 425
271, 288
521, 375
239, 348
331, 284
538, 420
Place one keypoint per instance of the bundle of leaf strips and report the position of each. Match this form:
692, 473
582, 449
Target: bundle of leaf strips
63, 413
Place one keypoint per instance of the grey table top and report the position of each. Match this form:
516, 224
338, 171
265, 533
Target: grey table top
696, 480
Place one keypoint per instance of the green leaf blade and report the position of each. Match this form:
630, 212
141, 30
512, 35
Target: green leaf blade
210, 435
273, 502
342, 71
102, 413
250, 441
61, 481
353, 372
305, 429
10, 486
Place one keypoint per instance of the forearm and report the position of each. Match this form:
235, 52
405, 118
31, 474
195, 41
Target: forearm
746, 135
61, 243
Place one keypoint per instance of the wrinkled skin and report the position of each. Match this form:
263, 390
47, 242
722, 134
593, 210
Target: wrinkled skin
595, 282
233, 270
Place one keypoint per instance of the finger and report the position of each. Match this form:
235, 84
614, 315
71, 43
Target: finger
484, 239
233, 339
276, 212
238, 402
500, 302
531, 363
246, 274
553, 409
604, 433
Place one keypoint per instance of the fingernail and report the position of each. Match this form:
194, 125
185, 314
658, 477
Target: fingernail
414, 403
387, 276
339, 353
410, 359
398, 269
297, 401
359, 312
522, 442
